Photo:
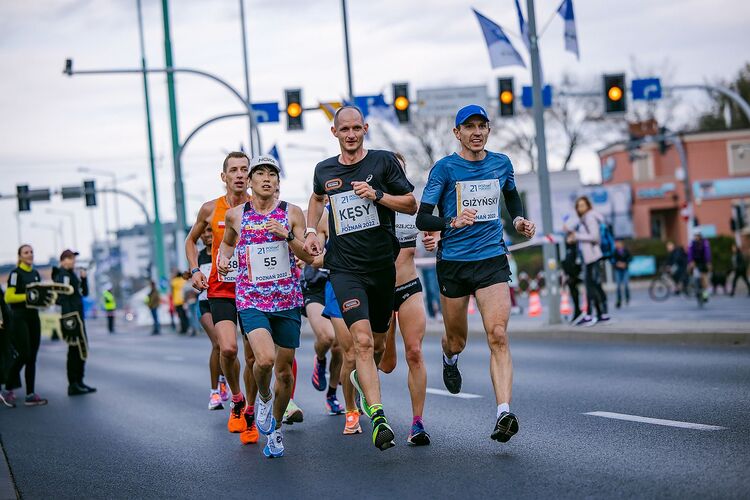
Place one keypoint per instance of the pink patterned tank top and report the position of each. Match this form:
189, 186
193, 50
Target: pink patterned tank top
267, 279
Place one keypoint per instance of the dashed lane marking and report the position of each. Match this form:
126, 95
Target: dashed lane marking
461, 395
655, 421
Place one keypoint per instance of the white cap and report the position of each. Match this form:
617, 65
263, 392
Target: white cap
264, 160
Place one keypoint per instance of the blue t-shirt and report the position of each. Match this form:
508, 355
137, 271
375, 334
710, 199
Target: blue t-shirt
483, 239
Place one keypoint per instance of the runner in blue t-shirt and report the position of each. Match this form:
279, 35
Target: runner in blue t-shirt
471, 256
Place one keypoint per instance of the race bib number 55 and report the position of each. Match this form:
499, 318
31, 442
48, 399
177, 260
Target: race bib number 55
268, 261
482, 196
352, 213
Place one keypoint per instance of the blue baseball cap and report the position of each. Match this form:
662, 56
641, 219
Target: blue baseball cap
468, 111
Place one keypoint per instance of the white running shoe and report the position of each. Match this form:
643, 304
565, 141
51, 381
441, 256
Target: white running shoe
264, 416
275, 445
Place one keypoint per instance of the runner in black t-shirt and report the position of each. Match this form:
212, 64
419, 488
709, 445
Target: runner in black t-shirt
364, 188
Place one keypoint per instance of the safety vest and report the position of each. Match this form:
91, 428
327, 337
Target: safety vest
109, 301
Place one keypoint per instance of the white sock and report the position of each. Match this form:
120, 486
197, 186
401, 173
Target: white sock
450, 361
501, 408
214, 391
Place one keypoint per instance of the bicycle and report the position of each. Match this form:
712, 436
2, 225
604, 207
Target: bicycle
664, 285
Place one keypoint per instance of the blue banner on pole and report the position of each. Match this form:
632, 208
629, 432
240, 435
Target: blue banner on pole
266, 112
646, 89
527, 96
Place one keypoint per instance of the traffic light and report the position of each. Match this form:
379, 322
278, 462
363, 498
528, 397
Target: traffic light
506, 96
401, 101
89, 192
614, 93
24, 204
294, 109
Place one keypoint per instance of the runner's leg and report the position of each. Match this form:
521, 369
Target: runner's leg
388, 361
456, 324
346, 344
284, 382
411, 322
494, 306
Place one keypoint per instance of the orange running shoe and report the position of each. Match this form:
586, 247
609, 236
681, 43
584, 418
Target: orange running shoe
249, 435
237, 422
352, 423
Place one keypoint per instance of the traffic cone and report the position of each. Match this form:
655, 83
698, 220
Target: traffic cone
535, 305
565, 307
472, 305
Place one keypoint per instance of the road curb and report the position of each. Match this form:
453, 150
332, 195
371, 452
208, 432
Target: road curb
8, 489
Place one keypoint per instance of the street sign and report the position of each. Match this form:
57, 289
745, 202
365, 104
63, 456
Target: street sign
646, 89
527, 97
447, 101
266, 112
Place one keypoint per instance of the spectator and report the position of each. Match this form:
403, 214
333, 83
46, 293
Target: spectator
110, 306
588, 236
6, 353
621, 259
191, 303
178, 300
699, 258
571, 266
739, 268
153, 300
677, 264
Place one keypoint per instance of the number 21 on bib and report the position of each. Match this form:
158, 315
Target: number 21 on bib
482, 196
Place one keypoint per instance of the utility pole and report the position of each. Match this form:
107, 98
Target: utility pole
161, 271
348, 54
548, 248
254, 148
179, 190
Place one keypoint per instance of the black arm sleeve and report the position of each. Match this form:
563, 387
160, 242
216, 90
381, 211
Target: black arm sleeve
513, 203
428, 222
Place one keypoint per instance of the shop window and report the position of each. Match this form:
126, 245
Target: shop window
643, 166
739, 157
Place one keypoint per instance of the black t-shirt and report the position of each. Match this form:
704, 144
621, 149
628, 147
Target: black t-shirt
204, 257
19, 278
360, 239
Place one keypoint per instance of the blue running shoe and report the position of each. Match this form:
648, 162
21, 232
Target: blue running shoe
319, 374
275, 445
264, 416
333, 406
418, 436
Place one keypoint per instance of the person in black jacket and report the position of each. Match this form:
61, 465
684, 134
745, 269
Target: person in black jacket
571, 266
621, 259
73, 303
739, 267
6, 352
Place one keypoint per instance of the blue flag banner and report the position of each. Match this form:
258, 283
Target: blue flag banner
571, 38
274, 151
502, 52
523, 27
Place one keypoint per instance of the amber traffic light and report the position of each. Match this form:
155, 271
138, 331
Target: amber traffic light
294, 109
614, 93
506, 97
401, 101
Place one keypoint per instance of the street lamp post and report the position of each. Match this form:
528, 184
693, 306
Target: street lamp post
72, 216
350, 85
55, 233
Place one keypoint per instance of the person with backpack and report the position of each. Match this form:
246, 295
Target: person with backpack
593, 236
571, 266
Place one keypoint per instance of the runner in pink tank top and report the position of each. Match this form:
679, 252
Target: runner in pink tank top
267, 235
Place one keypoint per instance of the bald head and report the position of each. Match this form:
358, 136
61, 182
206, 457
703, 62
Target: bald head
347, 112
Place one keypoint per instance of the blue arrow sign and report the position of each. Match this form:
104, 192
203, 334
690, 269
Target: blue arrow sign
527, 97
266, 112
646, 89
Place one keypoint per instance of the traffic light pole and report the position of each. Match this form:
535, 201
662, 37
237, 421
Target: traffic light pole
350, 85
548, 248
254, 148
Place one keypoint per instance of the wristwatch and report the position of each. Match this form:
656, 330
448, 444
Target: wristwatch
378, 195
310, 230
290, 237
194, 270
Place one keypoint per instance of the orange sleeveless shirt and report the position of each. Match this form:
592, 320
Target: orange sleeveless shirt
218, 286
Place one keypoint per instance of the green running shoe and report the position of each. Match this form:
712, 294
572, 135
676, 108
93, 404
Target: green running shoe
382, 434
363, 402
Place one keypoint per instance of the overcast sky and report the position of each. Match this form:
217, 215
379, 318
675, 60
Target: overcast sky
51, 124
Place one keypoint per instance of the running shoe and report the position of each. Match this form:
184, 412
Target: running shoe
214, 401
249, 435
605, 318
451, 377
34, 399
7, 400
362, 401
352, 423
319, 374
358, 403
583, 321
333, 406
237, 423
505, 427
223, 389
264, 416
293, 414
382, 434
275, 445
418, 436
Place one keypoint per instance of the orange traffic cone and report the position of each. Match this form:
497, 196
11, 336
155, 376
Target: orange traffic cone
472, 305
565, 308
535, 305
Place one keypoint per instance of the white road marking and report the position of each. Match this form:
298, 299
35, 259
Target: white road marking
655, 421
462, 395
174, 358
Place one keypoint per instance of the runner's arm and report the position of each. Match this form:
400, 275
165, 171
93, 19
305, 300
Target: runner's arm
191, 249
513, 203
405, 203
428, 222
297, 227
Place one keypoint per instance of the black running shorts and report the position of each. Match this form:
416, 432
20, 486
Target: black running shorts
461, 279
223, 309
405, 291
365, 296
203, 307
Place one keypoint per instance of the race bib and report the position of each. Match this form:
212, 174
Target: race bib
268, 261
483, 196
406, 228
352, 213
234, 266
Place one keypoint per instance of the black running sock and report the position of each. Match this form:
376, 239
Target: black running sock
331, 392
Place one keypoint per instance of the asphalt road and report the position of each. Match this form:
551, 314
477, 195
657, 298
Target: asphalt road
147, 432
